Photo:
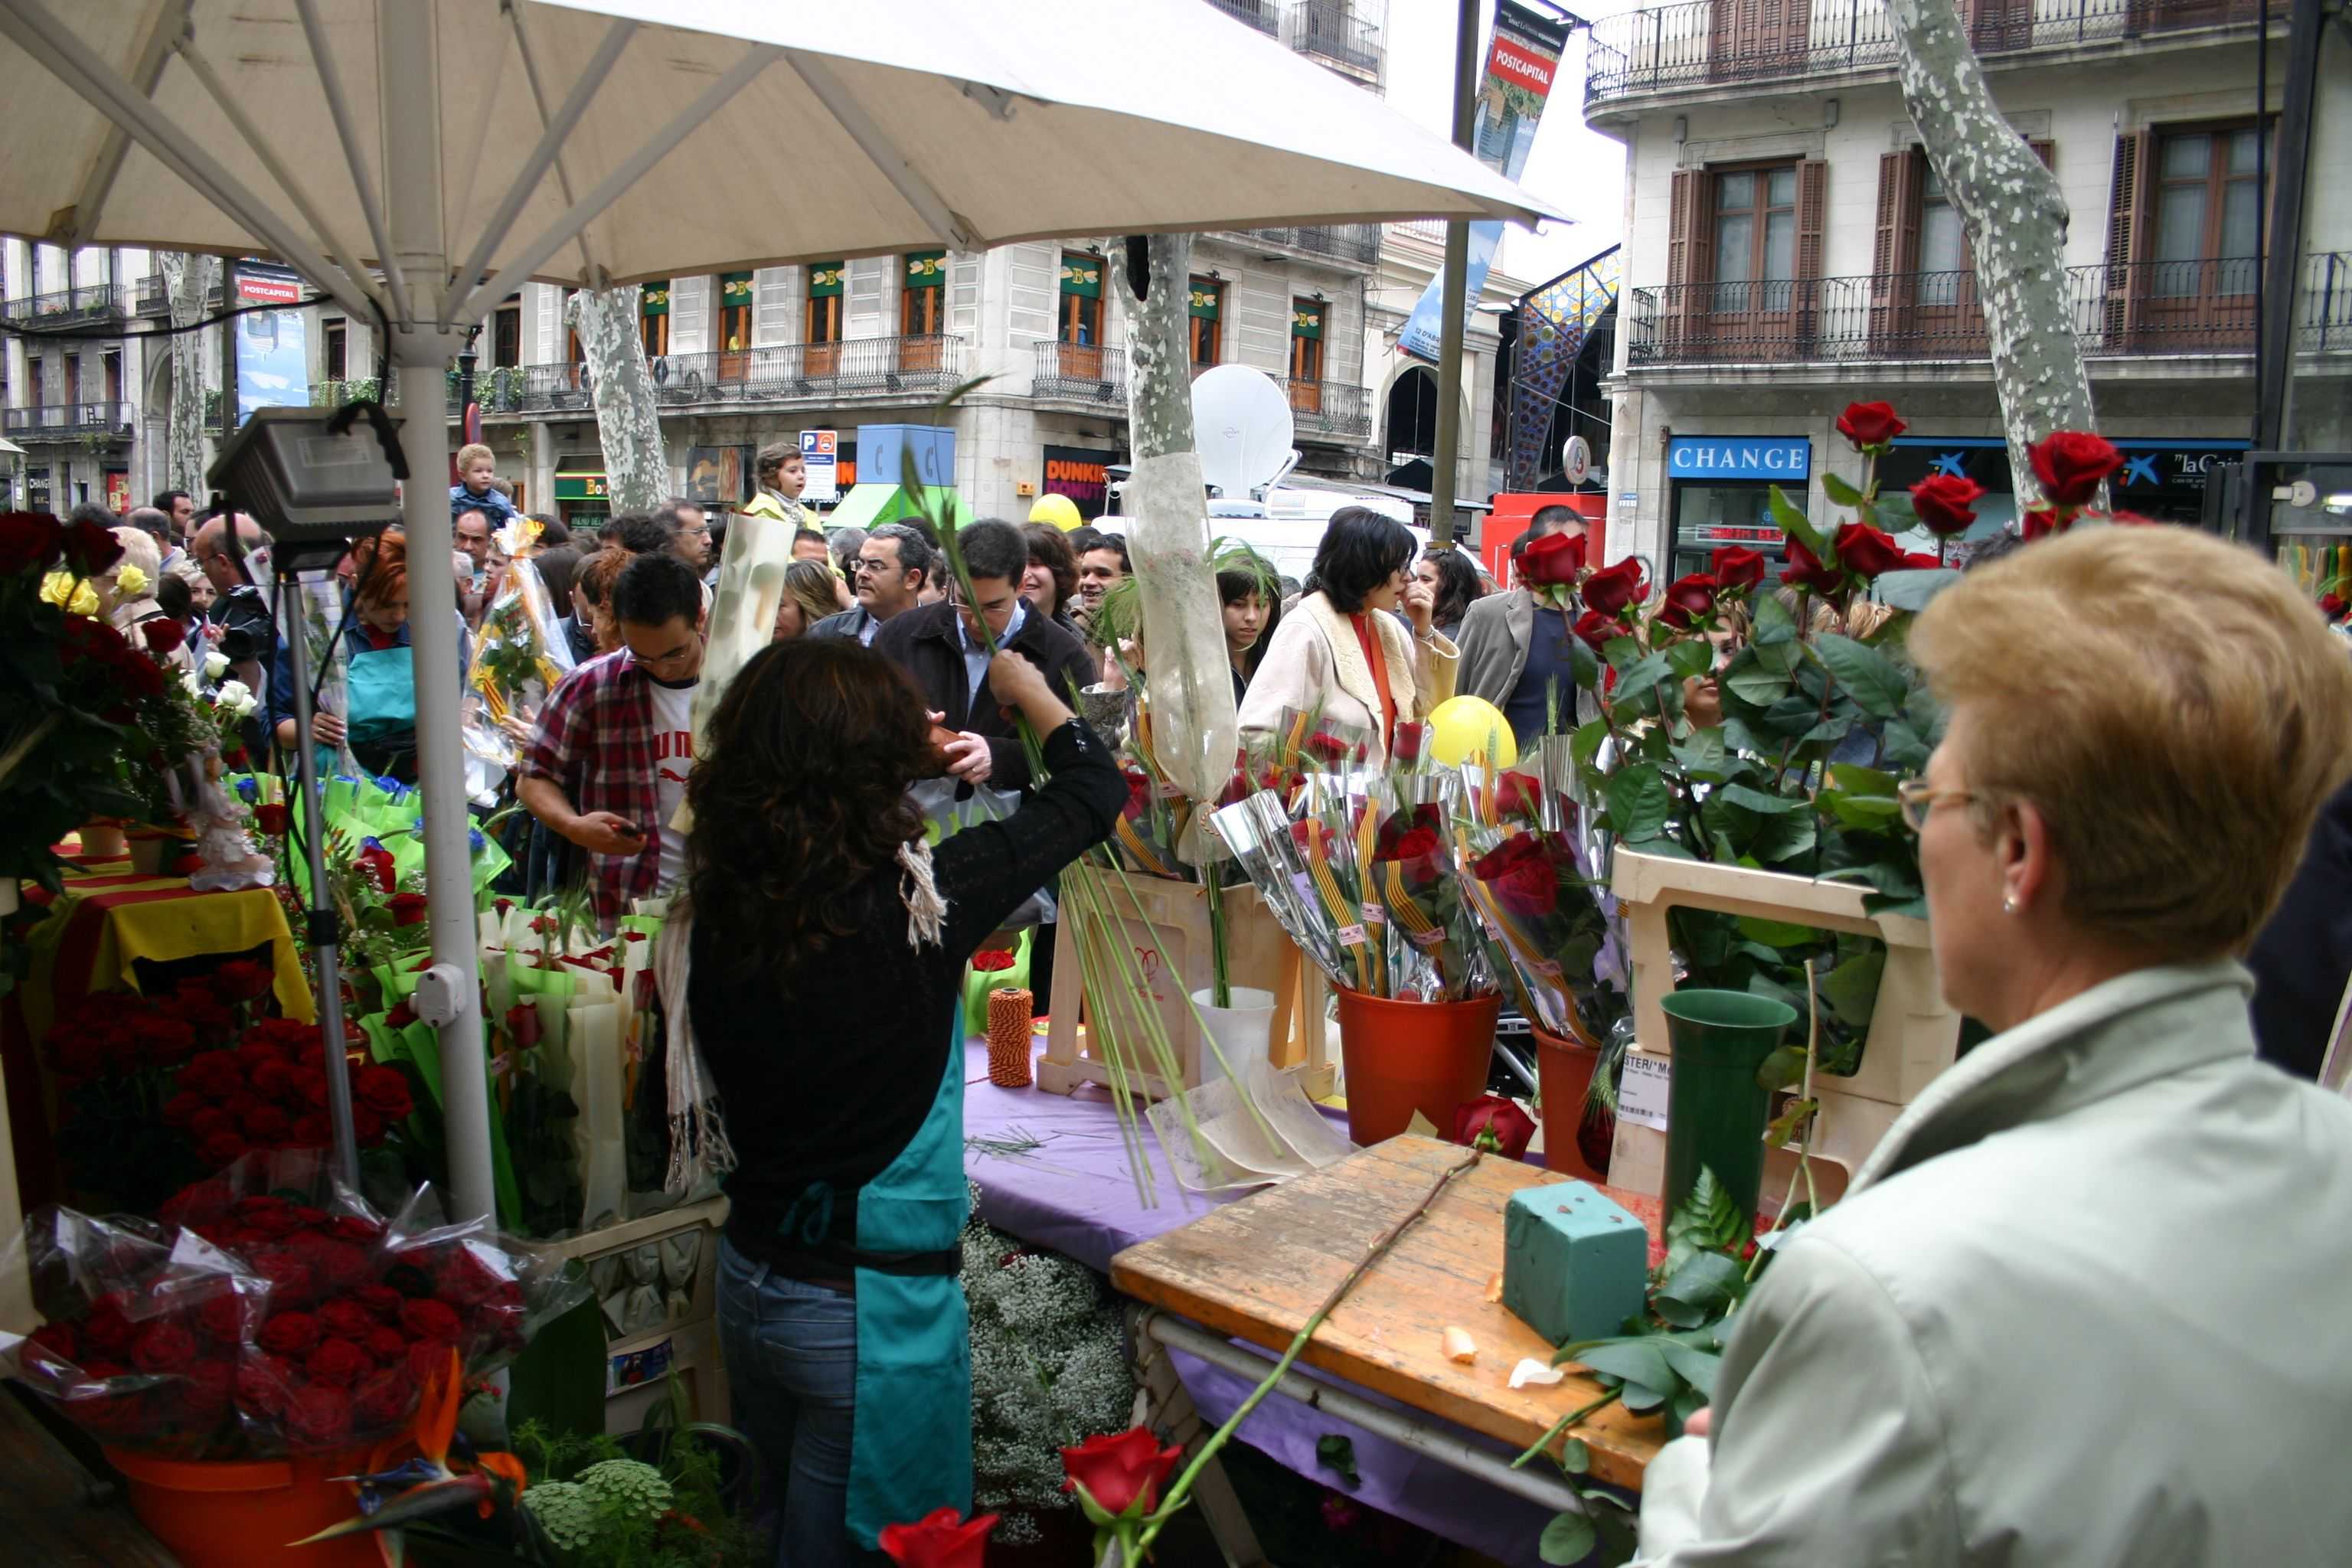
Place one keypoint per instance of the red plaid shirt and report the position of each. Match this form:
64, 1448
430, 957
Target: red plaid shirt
596, 741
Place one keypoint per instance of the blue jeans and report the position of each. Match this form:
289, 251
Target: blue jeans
791, 1370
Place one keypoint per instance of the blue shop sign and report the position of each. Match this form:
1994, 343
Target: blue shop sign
1739, 457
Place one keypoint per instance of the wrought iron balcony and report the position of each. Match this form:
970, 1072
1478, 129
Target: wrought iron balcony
1331, 30
2194, 308
1353, 242
1329, 410
92, 304
1081, 372
1265, 16
1701, 43
335, 393
68, 421
863, 368
152, 297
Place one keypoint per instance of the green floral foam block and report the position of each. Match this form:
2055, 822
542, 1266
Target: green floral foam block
1575, 1265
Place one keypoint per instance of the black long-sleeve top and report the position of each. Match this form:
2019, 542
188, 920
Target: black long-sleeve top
829, 1084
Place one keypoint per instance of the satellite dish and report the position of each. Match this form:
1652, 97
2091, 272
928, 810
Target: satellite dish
1241, 423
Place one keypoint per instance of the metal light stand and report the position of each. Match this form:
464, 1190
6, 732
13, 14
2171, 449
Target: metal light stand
321, 927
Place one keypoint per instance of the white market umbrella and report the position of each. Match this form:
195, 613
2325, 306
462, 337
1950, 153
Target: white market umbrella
378, 146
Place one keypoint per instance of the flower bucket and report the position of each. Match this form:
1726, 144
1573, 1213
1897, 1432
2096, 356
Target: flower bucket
1403, 1057
103, 840
1575, 1144
248, 1513
1716, 1110
1244, 1032
155, 850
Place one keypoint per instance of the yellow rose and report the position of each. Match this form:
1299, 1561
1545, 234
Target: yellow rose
74, 592
130, 583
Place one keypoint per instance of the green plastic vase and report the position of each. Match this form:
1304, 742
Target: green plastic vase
1715, 1111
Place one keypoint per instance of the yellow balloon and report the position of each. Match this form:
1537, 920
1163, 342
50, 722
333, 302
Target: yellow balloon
1059, 511
1459, 727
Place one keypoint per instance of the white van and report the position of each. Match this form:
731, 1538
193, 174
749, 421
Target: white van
1288, 526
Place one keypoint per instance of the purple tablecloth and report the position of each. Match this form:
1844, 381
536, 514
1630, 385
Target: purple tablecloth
1073, 1193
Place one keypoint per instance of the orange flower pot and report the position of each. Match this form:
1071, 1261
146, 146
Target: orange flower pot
248, 1513
1574, 1146
1403, 1057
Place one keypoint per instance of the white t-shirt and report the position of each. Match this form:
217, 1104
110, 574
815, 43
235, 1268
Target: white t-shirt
673, 760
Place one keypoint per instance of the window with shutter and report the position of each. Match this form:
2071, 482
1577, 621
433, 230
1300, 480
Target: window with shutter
653, 318
2134, 151
2197, 236
1078, 319
1690, 228
1206, 309
922, 308
1307, 322
823, 354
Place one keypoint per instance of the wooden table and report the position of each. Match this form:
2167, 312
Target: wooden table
54, 1512
1256, 1270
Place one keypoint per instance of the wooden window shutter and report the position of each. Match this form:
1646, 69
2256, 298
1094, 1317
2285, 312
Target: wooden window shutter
1690, 233
2045, 150
1680, 205
2127, 203
1812, 209
1896, 257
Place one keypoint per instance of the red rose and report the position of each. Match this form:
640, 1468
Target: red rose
29, 540
383, 1091
115, 1416
52, 1345
278, 1224
290, 1279
2332, 606
377, 859
226, 1317
205, 1393
213, 1074
1517, 794
352, 1228
263, 1382
267, 1127
1804, 571
1943, 502
992, 961
2071, 464
407, 908
1120, 1472
1865, 551
1405, 743
311, 1132
382, 1301
242, 979
942, 1539
465, 1280
272, 818
1868, 424
1553, 560
163, 636
384, 1399
523, 1023
346, 1319
2042, 522
318, 1416
1595, 629
1611, 588
164, 1348
1519, 873
222, 1148
288, 1334
402, 1014
385, 1343
1494, 1124
429, 1319
182, 1108
90, 549
337, 1363
163, 1041
1328, 746
1689, 598
368, 1129
337, 1265
1734, 566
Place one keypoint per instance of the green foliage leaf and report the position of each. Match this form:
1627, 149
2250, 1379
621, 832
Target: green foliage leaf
1784, 1069
1638, 679
1852, 988
1757, 684
1776, 933
1702, 756
1783, 1129
1903, 748
1784, 838
1568, 1538
1781, 658
1894, 512
1794, 523
1774, 623
1620, 652
1339, 1453
1691, 657
1575, 1457
1582, 667
1912, 588
1757, 800
1662, 844
1695, 1367
1700, 1288
1585, 745
1639, 802
1641, 1398
1840, 490
1635, 1360
1868, 675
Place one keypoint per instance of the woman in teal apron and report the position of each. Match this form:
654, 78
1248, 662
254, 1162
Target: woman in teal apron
827, 947
379, 713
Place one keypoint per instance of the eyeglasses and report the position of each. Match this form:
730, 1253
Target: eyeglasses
1918, 798
859, 563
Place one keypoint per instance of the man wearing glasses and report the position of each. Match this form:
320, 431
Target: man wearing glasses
891, 569
689, 532
617, 737
941, 645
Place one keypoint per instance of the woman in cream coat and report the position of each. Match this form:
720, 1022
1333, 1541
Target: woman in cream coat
1341, 654
2084, 1304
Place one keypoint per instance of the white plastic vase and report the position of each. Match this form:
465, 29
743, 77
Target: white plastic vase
1242, 1032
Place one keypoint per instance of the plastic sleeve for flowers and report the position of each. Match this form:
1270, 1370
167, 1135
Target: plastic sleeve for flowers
1193, 730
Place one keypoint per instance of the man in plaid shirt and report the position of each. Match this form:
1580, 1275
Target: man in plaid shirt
607, 767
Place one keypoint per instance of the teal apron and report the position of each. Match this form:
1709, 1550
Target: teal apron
911, 1446
380, 704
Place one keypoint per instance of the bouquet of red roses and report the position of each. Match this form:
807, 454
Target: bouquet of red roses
252, 1322
1436, 950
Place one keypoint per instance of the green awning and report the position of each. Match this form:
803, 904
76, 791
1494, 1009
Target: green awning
870, 505
1206, 299
655, 300
1082, 275
927, 268
734, 289
1305, 322
824, 279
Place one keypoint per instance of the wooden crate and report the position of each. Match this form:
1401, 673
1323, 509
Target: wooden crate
1171, 953
1914, 1033
692, 1336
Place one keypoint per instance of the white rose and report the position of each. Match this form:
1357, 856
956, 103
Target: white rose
188, 680
233, 692
216, 665
245, 706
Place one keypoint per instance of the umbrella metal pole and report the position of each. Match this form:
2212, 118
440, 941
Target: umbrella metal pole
1455, 294
322, 930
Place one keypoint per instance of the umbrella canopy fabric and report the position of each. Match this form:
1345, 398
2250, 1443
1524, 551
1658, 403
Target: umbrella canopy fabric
843, 130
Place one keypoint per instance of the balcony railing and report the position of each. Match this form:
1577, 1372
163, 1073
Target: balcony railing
2195, 307
1702, 42
1081, 372
68, 421
151, 295
787, 373
1355, 242
1329, 410
89, 304
1265, 16
1331, 30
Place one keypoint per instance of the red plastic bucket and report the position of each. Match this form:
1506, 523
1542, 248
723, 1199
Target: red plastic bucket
248, 1513
1573, 1145
1403, 1057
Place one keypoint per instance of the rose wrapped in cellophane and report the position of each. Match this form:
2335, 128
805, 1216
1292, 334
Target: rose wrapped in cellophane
519, 655
1436, 950
1258, 831
1333, 833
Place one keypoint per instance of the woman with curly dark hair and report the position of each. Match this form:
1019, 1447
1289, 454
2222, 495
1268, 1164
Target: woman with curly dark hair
1448, 573
1052, 579
827, 945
